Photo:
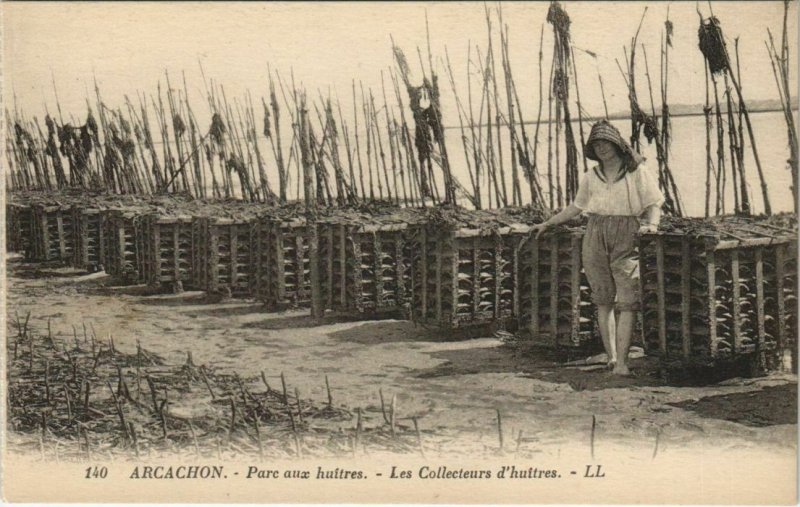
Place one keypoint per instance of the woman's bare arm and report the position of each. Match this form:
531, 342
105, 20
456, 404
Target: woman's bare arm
565, 215
651, 217
562, 216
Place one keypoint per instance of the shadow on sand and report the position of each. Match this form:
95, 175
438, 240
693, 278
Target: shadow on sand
19, 268
296, 320
769, 406
544, 364
394, 331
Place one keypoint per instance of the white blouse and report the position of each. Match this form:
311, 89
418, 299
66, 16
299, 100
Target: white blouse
629, 195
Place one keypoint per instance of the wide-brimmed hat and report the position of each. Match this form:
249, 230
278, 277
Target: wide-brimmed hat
607, 132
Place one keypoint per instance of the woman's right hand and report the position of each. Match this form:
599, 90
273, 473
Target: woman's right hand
539, 229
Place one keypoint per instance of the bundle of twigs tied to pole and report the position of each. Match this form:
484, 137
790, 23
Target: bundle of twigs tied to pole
559, 90
642, 123
429, 131
718, 63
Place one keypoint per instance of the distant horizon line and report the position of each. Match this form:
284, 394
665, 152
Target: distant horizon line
614, 116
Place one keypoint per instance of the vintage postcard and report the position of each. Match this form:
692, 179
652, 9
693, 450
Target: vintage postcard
375, 252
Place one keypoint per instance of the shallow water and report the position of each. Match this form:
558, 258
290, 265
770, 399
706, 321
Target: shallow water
687, 160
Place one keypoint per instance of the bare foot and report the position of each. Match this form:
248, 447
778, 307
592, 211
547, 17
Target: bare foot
621, 370
611, 364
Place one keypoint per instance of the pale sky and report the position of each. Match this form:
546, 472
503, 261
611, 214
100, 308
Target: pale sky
128, 46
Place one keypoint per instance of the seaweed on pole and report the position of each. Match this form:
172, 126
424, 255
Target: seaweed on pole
642, 123
714, 50
429, 133
559, 87
712, 45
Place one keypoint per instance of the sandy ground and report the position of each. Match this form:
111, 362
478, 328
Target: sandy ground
452, 385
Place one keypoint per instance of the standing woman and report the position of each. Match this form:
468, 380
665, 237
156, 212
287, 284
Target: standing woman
622, 199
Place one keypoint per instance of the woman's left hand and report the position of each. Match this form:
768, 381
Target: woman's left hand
647, 228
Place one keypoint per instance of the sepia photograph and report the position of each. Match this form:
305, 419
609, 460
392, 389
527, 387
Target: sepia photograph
400, 252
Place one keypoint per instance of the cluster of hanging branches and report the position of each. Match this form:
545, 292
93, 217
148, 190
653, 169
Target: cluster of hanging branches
389, 150
719, 68
425, 104
125, 152
654, 131
559, 92
119, 153
780, 70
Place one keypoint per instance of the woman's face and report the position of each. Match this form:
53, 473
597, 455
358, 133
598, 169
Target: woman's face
605, 150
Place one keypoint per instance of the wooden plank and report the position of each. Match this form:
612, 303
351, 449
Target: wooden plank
515, 280
343, 231
439, 241
212, 271
175, 252
330, 250
358, 275
156, 253
44, 248
257, 253
476, 278
533, 327
575, 288
399, 269
554, 289
101, 246
662, 323
234, 253
711, 271
119, 254
424, 272
454, 282
752, 242
759, 259
62, 246
377, 269
686, 296
737, 303
277, 286
497, 256
300, 269
780, 260
81, 239
643, 243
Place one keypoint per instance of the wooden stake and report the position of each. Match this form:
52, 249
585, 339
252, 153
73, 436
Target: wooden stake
152, 387
135, 439
285, 395
162, 413
47, 381
383, 407
393, 415
299, 407
194, 439
500, 431
69, 402
120, 413
86, 396
358, 430
328, 388
419, 437
258, 438
207, 383
264, 380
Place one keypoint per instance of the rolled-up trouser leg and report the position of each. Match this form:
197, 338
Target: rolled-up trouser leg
611, 261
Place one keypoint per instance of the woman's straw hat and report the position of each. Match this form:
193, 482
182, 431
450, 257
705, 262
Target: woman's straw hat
607, 132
